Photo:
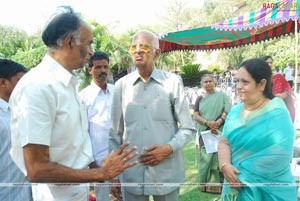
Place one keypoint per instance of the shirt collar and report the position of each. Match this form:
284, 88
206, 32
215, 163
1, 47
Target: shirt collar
95, 87
155, 75
60, 72
4, 105
98, 89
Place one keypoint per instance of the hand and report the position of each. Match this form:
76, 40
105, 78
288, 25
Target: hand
230, 172
214, 131
214, 125
115, 189
282, 95
154, 154
116, 162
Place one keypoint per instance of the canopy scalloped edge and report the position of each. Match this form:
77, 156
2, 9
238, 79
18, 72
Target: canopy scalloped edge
224, 48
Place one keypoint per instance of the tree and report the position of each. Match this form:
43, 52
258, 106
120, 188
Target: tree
179, 17
11, 40
30, 58
117, 50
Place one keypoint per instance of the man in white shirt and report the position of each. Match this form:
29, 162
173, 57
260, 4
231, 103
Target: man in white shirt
50, 140
98, 98
288, 73
10, 73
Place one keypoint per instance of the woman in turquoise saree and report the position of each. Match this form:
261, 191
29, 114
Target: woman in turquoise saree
210, 112
257, 141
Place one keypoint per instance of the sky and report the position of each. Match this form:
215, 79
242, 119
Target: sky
117, 15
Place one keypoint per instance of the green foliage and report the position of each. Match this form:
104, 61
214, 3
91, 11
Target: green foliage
212, 67
11, 40
116, 49
30, 58
191, 75
84, 77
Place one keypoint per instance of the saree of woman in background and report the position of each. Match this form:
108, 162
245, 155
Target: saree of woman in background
280, 85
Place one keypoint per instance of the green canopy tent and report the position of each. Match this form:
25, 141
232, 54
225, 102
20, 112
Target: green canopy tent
208, 38
271, 21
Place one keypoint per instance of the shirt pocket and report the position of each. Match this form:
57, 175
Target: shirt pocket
131, 112
162, 110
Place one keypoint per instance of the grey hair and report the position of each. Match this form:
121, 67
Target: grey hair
150, 35
75, 34
207, 75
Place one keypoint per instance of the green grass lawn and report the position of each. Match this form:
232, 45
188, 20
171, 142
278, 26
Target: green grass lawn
191, 173
193, 193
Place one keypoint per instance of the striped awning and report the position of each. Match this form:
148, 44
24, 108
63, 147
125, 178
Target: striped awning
269, 13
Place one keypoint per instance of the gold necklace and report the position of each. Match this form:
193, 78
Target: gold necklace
260, 105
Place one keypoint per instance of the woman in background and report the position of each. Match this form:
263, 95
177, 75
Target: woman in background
210, 112
281, 88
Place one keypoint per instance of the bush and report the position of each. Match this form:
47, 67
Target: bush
30, 58
190, 75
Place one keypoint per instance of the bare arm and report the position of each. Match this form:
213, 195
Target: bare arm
199, 118
282, 95
40, 169
229, 171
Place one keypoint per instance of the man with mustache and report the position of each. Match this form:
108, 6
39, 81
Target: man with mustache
98, 98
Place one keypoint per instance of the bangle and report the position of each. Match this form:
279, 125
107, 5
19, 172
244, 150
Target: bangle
222, 165
222, 119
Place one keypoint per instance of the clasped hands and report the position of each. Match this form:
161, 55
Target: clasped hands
214, 125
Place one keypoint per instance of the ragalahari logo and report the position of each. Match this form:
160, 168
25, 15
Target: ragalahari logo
280, 5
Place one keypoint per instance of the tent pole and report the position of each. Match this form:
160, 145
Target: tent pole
296, 56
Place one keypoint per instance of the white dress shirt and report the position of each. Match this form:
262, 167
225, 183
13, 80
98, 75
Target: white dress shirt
47, 110
288, 73
99, 109
9, 172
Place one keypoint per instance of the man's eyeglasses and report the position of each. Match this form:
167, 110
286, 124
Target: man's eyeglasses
139, 48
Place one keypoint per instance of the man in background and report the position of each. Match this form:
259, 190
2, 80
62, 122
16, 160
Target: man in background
10, 73
288, 74
98, 98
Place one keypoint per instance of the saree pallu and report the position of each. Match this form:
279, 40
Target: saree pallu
280, 85
261, 146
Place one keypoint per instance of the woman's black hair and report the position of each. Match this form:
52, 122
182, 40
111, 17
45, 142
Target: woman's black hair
265, 58
259, 69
